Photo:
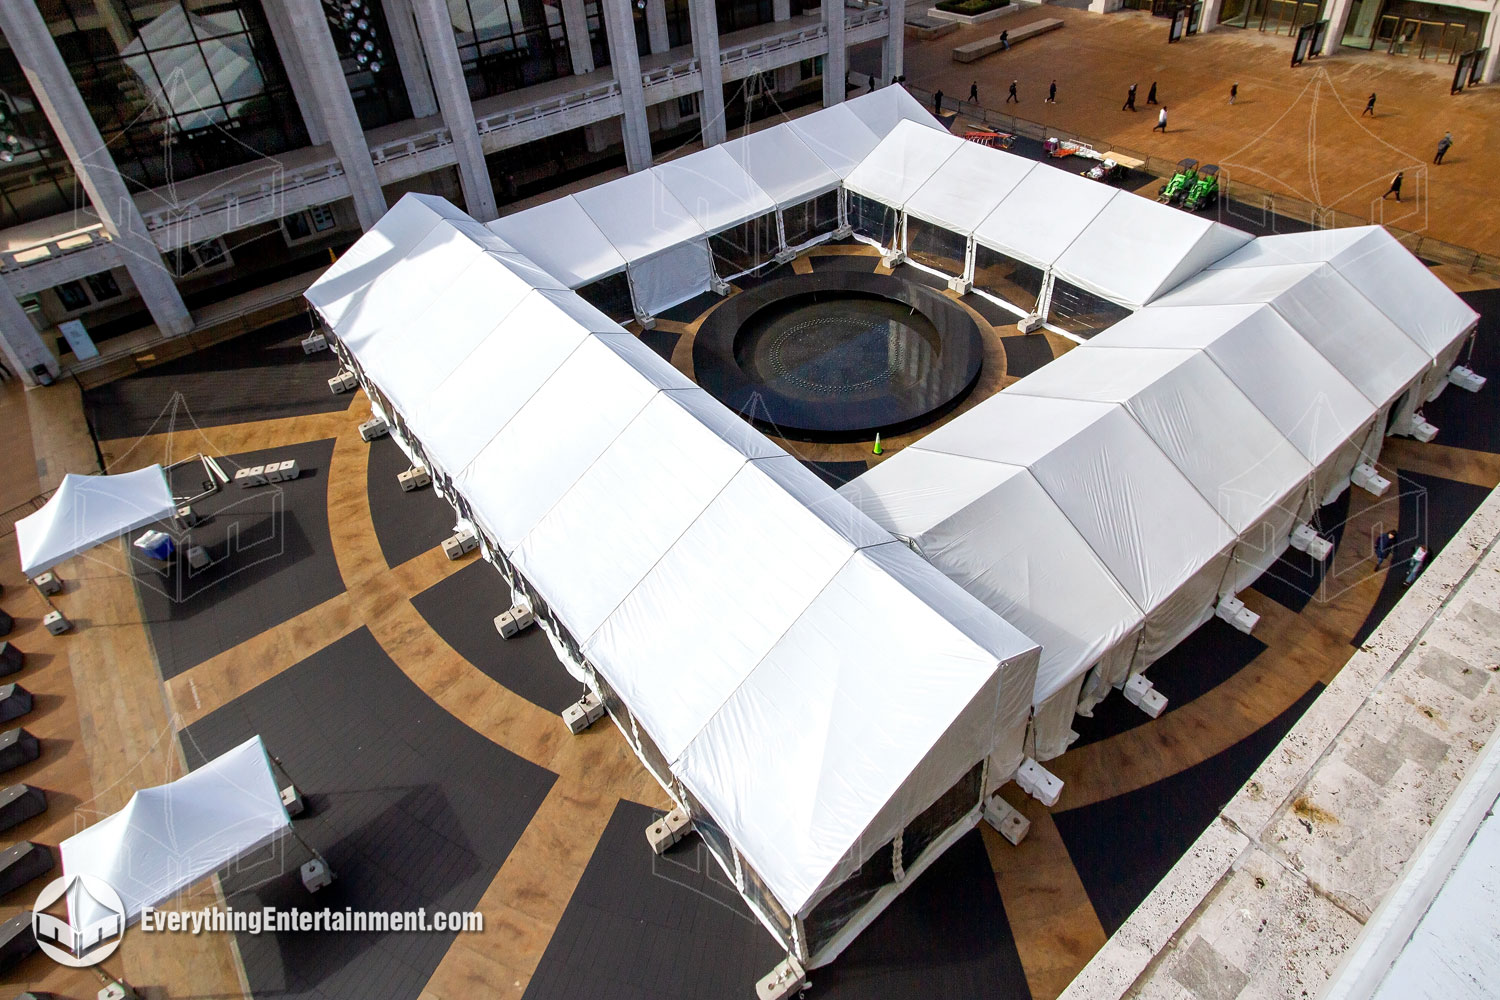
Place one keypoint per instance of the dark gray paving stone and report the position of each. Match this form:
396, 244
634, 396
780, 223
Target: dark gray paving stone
406, 524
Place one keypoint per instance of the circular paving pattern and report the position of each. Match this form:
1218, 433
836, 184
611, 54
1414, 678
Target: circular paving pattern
838, 356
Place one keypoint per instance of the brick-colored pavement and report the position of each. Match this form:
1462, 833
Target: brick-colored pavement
1296, 131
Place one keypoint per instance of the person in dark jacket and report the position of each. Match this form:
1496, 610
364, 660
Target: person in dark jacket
974, 92
1130, 98
1385, 548
1012, 95
1443, 145
1052, 93
1151, 94
1369, 107
1395, 188
937, 103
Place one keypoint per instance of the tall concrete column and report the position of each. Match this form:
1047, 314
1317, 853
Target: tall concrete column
576, 27
1338, 16
22, 346
619, 27
836, 62
1210, 19
781, 10
79, 138
408, 46
344, 131
1492, 41
436, 28
308, 102
893, 54
705, 19
656, 26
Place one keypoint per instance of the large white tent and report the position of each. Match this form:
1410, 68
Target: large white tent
782, 165
88, 510
168, 837
632, 509
563, 240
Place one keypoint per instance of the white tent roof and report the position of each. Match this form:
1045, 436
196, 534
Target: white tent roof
782, 165
837, 135
88, 510
560, 236
903, 161
967, 187
639, 215
994, 531
1383, 270
1141, 516
1135, 249
622, 491
1217, 438
1328, 312
1311, 404
884, 109
1043, 215
712, 186
168, 837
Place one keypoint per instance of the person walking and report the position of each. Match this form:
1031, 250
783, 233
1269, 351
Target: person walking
1443, 146
1415, 566
1369, 107
1385, 548
937, 103
1005, 41
1161, 121
1150, 94
974, 92
1130, 98
1234, 91
1052, 93
1012, 95
871, 89
1395, 188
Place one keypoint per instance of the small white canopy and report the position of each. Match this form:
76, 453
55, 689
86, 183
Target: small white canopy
967, 187
837, 135
639, 215
88, 510
994, 531
168, 837
1371, 352
715, 189
782, 165
884, 109
560, 236
1383, 270
1043, 215
1135, 249
902, 163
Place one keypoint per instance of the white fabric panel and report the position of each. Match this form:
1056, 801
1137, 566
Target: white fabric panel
782, 164
1052, 723
168, 837
715, 189
87, 510
560, 236
1318, 303
968, 186
1177, 617
638, 215
839, 138
341, 289
1237, 459
994, 531
465, 411
672, 276
1383, 270
902, 162
1308, 400
1043, 215
833, 751
1135, 248
884, 109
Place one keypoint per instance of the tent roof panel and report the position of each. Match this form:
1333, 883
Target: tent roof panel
1135, 248
715, 189
87, 510
638, 215
560, 236
782, 164
1043, 215
837, 136
903, 161
968, 186
884, 109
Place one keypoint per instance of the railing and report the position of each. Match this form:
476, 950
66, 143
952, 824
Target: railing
1272, 202
670, 72
34, 253
496, 121
233, 201
776, 43
412, 145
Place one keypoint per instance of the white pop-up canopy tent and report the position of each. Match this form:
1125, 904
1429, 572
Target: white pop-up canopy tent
168, 837
88, 510
1324, 416
615, 495
1216, 437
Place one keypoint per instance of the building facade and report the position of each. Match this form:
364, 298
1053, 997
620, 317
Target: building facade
167, 164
